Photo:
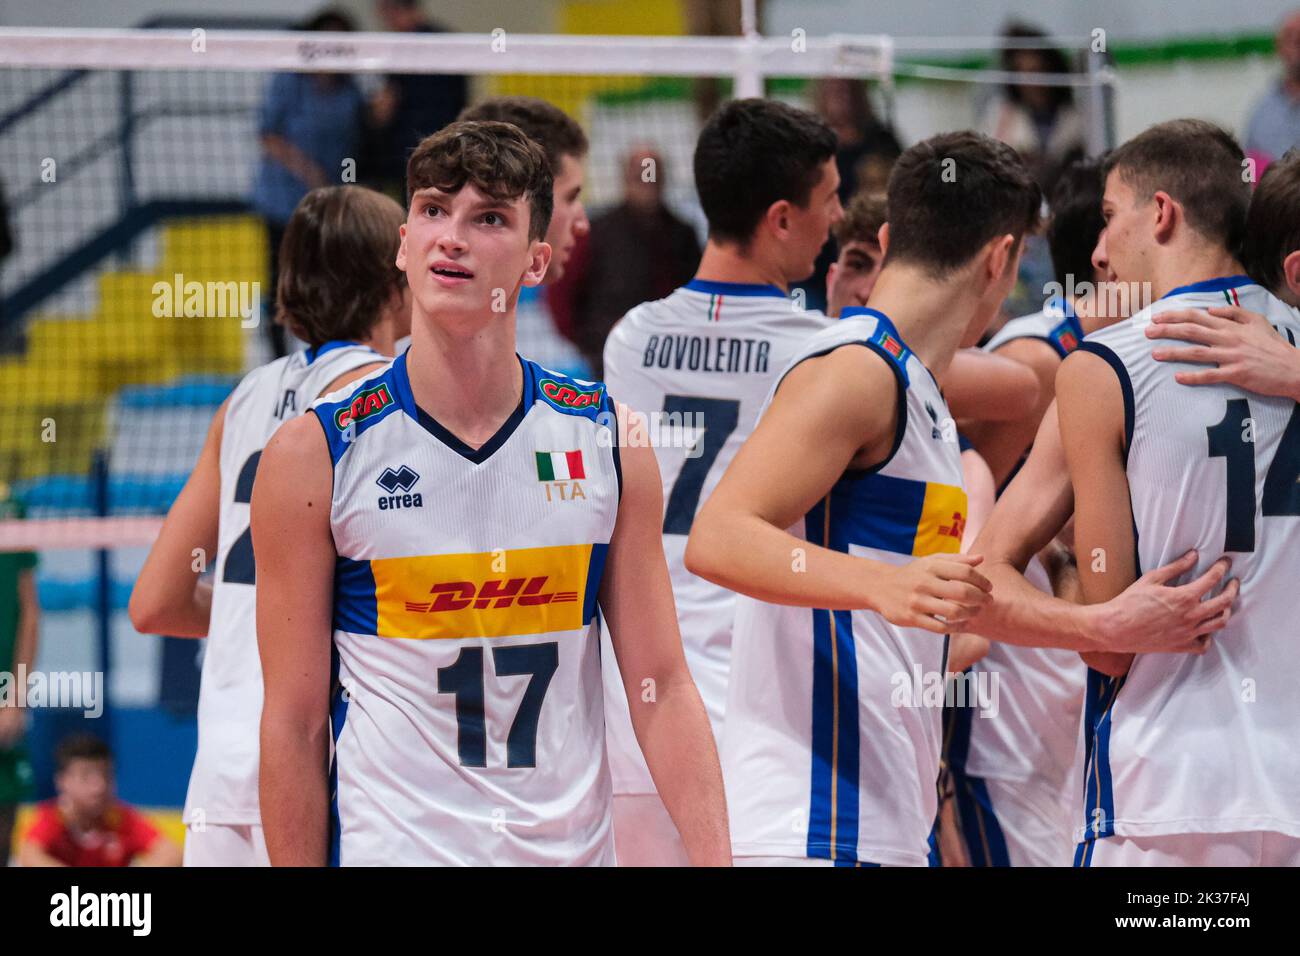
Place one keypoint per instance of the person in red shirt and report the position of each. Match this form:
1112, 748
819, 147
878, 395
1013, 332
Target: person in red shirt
86, 825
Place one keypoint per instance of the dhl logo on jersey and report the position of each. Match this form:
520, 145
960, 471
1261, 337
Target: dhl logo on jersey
490, 594
942, 522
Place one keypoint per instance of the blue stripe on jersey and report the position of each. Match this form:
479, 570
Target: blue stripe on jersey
338, 716
958, 720
876, 511
1212, 285
355, 608
833, 805
1083, 853
539, 379
885, 331
1066, 335
985, 843
836, 747
1098, 794
712, 287
316, 351
595, 573
340, 439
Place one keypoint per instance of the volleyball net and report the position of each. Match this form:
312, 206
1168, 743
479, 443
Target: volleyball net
136, 293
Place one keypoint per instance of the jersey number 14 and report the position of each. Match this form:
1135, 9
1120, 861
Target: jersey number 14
1228, 439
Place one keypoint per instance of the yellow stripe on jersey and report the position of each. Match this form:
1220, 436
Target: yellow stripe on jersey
942, 521
490, 594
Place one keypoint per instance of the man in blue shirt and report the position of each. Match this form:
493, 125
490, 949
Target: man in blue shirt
308, 125
1274, 125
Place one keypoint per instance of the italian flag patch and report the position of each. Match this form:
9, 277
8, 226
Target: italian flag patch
559, 465
891, 345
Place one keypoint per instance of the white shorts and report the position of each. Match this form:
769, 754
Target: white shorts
644, 833
1255, 848
780, 861
225, 845
1013, 823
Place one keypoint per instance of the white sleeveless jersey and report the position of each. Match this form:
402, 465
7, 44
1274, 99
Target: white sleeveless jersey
1056, 324
698, 364
1035, 733
467, 718
223, 784
834, 718
1185, 744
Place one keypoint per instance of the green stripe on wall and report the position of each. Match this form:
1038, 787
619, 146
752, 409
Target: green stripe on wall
1180, 50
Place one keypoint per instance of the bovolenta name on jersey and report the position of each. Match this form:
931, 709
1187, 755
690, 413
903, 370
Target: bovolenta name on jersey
706, 353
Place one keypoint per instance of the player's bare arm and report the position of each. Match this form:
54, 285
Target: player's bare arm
1245, 350
830, 413
1003, 440
168, 597
1149, 616
965, 648
1092, 431
295, 556
985, 387
668, 715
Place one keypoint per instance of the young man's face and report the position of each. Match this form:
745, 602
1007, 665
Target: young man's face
467, 252
810, 226
87, 784
1124, 246
852, 276
568, 219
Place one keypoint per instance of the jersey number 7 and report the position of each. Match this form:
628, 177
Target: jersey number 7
719, 416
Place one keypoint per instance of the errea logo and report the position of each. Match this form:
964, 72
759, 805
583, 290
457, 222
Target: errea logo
403, 480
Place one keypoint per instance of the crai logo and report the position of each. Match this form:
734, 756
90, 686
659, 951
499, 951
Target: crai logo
565, 395
364, 404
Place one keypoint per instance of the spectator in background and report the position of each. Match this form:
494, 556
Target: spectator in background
1274, 125
865, 155
86, 825
408, 107
1040, 122
868, 146
636, 252
309, 124
853, 274
19, 624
